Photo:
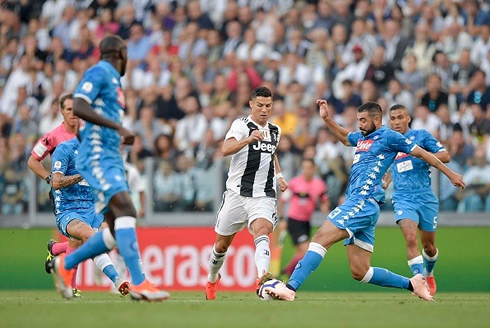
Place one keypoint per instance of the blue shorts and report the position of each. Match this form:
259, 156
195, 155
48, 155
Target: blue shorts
87, 216
421, 208
358, 217
105, 180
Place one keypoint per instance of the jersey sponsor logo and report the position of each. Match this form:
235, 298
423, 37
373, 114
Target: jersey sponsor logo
400, 155
265, 147
87, 87
364, 145
404, 166
40, 149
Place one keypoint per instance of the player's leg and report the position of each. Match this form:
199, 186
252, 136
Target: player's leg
428, 226
409, 229
55, 248
73, 245
124, 224
300, 235
261, 228
229, 220
216, 259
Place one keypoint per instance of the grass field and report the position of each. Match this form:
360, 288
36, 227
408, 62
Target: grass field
398, 309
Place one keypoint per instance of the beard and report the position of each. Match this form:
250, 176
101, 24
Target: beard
369, 130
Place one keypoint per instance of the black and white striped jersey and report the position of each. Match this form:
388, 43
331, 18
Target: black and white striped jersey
252, 169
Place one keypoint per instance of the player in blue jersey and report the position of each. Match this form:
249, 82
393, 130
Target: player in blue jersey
415, 204
74, 208
355, 220
99, 101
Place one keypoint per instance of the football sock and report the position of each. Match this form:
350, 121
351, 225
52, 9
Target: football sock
291, 265
127, 243
215, 262
99, 243
70, 250
262, 255
416, 265
430, 262
307, 265
103, 263
59, 248
385, 278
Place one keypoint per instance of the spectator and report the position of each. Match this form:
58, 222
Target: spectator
164, 148
396, 94
190, 130
167, 188
422, 47
197, 16
481, 47
149, 128
411, 77
480, 93
461, 72
360, 37
191, 45
286, 120
479, 129
250, 51
380, 71
434, 97
475, 196
393, 42
355, 71
349, 98
454, 40
138, 46
127, 18
425, 120
189, 178
51, 119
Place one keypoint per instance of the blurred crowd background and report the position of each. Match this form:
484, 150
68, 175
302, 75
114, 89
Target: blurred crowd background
193, 64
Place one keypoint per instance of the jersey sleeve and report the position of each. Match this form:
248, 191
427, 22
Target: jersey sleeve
92, 82
238, 130
43, 147
399, 142
353, 138
431, 144
60, 160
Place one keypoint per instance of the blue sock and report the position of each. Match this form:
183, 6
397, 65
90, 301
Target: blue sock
110, 271
127, 244
385, 278
94, 246
416, 265
307, 265
429, 262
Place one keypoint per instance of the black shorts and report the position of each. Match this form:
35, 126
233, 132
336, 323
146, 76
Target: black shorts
299, 231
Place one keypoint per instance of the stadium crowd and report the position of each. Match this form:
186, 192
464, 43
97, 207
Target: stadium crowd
193, 64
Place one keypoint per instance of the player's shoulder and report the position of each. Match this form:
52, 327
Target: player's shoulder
68, 144
274, 127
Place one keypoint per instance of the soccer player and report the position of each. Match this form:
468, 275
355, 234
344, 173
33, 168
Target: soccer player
304, 192
74, 207
415, 204
99, 101
355, 220
46, 146
250, 196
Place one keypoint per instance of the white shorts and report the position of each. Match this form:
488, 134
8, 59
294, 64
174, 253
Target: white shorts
237, 211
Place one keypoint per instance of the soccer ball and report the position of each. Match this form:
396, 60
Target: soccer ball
263, 294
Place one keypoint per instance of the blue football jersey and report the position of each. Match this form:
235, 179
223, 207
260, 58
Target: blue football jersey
101, 88
374, 155
77, 196
409, 173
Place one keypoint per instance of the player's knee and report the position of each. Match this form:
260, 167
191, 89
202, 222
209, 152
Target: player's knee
358, 274
429, 248
221, 247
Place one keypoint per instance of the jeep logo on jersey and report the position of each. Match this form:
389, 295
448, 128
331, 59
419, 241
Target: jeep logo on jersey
264, 147
364, 145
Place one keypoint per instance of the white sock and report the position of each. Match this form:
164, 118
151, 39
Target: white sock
215, 262
101, 261
262, 255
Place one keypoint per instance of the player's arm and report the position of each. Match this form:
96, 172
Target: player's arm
141, 212
232, 145
456, 179
36, 167
325, 204
61, 181
336, 129
443, 156
283, 185
387, 179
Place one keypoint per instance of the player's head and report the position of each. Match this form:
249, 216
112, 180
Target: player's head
113, 49
66, 109
261, 105
369, 117
308, 168
399, 118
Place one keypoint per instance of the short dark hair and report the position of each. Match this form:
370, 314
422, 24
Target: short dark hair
110, 46
371, 107
261, 92
64, 98
305, 159
397, 106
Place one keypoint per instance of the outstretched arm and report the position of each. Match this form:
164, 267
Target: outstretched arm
82, 109
62, 181
456, 179
36, 166
336, 129
283, 185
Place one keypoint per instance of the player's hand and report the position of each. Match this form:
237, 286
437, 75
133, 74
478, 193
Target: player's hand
385, 184
323, 108
141, 213
127, 137
256, 136
457, 180
283, 185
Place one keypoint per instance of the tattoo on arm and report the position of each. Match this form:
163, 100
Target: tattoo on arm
61, 181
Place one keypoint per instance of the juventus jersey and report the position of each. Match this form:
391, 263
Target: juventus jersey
252, 171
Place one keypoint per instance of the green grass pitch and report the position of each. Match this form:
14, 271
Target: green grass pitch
311, 309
